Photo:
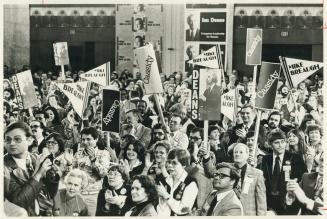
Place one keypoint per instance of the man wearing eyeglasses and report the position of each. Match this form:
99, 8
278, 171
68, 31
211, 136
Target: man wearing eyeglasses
37, 130
27, 171
223, 200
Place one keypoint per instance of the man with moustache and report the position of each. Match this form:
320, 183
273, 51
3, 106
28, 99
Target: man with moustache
37, 128
223, 201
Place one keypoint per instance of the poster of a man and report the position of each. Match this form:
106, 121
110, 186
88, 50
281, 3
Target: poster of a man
139, 9
193, 32
192, 51
139, 24
209, 89
61, 53
139, 40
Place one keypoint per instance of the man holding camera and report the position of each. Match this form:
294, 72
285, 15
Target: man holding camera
28, 187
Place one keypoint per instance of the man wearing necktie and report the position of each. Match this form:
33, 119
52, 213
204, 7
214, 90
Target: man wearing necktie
251, 187
308, 194
193, 33
272, 166
223, 200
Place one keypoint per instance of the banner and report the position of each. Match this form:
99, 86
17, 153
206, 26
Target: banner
149, 69
77, 93
61, 53
99, 75
208, 58
297, 70
204, 27
228, 104
24, 90
253, 46
205, 99
267, 86
110, 110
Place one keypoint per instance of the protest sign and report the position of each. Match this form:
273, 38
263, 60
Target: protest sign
61, 53
297, 70
78, 94
99, 75
149, 69
24, 89
206, 94
228, 104
267, 86
110, 110
253, 46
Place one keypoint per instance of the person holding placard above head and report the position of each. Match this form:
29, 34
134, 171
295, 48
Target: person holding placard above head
278, 168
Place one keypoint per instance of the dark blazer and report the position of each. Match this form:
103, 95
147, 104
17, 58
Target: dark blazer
308, 184
298, 168
147, 211
212, 102
23, 189
196, 35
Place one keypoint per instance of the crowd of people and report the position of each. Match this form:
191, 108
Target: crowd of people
58, 163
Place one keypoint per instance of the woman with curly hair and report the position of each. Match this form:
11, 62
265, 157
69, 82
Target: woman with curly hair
144, 196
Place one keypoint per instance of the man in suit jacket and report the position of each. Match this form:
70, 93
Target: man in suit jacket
27, 171
133, 127
210, 97
251, 188
274, 167
193, 33
223, 201
308, 195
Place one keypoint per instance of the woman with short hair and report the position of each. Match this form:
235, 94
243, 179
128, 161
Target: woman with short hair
68, 201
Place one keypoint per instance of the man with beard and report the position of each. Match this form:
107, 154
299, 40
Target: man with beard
95, 162
144, 113
38, 132
274, 122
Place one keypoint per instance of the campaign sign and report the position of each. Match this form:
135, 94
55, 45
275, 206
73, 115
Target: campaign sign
213, 26
61, 53
253, 46
149, 69
110, 110
24, 90
267, 86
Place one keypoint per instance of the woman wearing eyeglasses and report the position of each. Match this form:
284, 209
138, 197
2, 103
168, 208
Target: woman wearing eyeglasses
114, 198
62, 159
157, 168
177, 192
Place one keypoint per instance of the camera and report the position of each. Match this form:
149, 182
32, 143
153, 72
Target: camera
52, 175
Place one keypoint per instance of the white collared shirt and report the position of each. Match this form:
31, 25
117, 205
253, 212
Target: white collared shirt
187, 201
281, 158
